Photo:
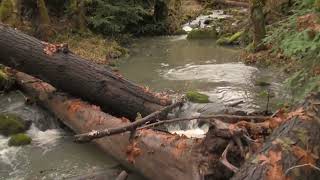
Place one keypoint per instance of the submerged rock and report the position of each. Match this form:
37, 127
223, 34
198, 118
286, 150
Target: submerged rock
231, 39
11, 124
202, 34
197, 97
19, 140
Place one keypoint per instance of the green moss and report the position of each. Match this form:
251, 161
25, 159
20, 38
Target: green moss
231, 39
5, 10
11, 124
6, 81
202, 34
19, 140
197, 97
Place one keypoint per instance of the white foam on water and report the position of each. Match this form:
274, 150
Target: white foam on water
237, 73
45, 139
199, 21
7, 153
191, 133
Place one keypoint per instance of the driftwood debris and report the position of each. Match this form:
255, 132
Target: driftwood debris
292, 150
77, 76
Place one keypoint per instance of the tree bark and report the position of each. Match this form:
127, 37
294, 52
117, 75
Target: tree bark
77, 76
292, 151
258, 22
44, 28
156, 155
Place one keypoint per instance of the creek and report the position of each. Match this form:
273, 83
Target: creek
170, 63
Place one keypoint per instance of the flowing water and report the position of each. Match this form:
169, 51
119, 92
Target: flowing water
171, 64
52, 154
176, 64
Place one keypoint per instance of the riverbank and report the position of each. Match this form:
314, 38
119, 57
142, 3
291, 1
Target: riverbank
292, 44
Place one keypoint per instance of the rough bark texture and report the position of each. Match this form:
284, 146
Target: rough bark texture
258, 22
290, 148
157, 155
76, 76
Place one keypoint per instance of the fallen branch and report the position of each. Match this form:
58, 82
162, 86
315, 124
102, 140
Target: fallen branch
300, 166
122, 176
177, 157
94, 134
223, 117
225, 161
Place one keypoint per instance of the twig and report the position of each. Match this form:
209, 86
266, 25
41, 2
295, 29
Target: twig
94, 134
222, 117
225, 161
302, 165
122, 176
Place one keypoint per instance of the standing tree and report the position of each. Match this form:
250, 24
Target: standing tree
258, 22
10, 12
78, 12
44, 29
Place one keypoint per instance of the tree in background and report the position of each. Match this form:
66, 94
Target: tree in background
44, 28
258, 23
10, 12
78, 13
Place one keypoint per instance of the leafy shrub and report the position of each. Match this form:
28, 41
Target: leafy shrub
109, 17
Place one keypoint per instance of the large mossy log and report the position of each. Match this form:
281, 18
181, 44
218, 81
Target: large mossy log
157, 155
292, 150
77, 76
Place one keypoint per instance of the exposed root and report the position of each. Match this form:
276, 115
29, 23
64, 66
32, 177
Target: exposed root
300, 166
225, 161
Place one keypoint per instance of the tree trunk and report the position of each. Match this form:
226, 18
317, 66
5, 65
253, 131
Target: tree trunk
77, 76
44, 28
10, 12
156, 155
79, 14
292, 151
258, 22
161, 11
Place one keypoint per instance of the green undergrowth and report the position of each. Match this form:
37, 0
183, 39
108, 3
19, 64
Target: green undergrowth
92, 47
301, 42
197, 97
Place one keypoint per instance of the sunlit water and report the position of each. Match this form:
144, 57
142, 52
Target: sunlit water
175, 63
52, 154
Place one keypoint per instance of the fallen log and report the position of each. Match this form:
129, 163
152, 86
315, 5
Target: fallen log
292, 150
79, 77
178, 157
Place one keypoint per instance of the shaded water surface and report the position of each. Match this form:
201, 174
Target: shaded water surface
52, 153
175, 63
